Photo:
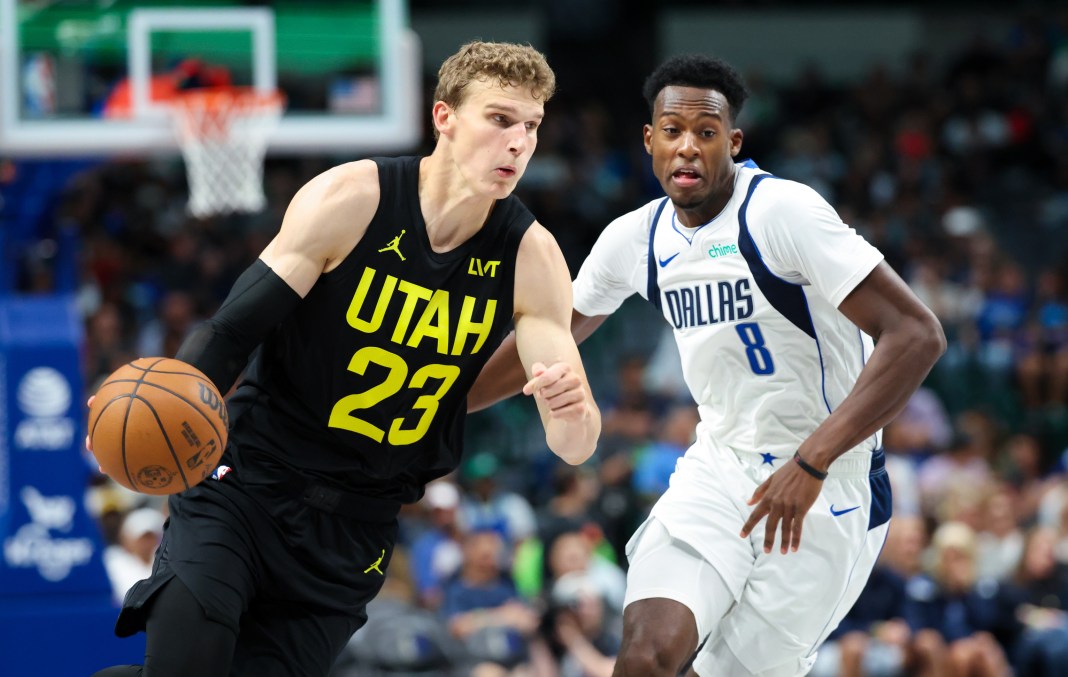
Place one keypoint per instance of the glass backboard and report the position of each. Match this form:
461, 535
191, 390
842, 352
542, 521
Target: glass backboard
90, 77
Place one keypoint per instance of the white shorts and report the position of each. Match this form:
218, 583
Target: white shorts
783, 606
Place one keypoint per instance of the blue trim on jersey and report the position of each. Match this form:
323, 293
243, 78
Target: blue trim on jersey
689, 239
882, 500
785, 297
863, 363
653, 289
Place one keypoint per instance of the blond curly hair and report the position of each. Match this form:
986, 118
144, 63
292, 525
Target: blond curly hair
511, 64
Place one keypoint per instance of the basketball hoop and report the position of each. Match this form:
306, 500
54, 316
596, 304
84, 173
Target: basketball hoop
223, 134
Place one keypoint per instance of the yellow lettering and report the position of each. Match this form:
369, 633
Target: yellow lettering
353, 313
413, 294
467, 325
491, 268
473, 268
434, 322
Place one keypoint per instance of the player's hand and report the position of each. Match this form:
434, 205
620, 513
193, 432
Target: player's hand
89, 440
560, 388
784, 498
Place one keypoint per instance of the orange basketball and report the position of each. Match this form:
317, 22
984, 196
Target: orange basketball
158, 426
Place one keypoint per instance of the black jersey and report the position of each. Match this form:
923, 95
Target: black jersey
366, 382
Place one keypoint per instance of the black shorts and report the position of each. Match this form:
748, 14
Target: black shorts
283, 563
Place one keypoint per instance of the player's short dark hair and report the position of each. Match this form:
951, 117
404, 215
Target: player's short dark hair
698, 70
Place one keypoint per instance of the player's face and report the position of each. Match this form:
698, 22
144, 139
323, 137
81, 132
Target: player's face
693, 147
493, 133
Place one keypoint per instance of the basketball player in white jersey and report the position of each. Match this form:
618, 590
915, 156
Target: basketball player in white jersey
775, 303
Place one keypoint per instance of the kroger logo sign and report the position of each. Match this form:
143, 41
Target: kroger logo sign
44, 398
35, 545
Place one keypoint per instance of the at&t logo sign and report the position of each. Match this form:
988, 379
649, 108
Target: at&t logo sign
44, 397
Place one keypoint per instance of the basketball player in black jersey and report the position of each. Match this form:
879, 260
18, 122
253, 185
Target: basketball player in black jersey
390, 283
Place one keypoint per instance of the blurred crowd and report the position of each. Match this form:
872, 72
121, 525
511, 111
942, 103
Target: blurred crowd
957, 170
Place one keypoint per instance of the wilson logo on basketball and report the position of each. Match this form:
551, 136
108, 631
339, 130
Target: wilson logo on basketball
211, 398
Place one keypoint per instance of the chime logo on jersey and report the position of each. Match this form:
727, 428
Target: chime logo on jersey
424, 314
725, 249
712, 303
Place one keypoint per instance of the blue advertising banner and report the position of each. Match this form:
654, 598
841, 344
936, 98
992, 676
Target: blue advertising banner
50, 543
52, 578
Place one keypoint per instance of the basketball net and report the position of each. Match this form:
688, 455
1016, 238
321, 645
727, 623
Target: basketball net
223, 134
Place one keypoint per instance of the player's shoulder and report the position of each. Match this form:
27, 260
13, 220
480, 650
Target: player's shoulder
537, 240
344, 182
640, 219
769, 194
336, 203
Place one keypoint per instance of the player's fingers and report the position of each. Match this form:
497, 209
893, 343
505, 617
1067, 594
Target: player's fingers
562, 384
754, 518
795, 543
770, 529
88, 443
539, 377
787, 531
551, 381
575, 410
559, 394
89, 403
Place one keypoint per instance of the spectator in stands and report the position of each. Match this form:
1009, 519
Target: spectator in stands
1000, 539
130, 560
975, 618
656, 462
437, 552
483, 609
573, 552
486, 504
1042, 359
1043, 595
583, 629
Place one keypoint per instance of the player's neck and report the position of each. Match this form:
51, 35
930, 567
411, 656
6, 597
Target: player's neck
452, 210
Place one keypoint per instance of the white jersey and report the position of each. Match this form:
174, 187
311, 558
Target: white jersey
752, 296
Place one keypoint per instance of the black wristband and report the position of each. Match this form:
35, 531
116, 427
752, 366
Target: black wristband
818, 474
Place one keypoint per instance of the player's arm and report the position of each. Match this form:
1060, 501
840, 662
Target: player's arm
908, 341
504, 374
600, 282
805, 237
548, 351
324, 221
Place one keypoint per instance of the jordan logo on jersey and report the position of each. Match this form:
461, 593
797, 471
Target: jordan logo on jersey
394, 246
375, 565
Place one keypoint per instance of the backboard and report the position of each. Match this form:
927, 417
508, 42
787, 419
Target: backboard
91, 77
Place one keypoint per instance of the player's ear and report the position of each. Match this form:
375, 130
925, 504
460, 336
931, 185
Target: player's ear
443, 116
736, 141
647, 134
